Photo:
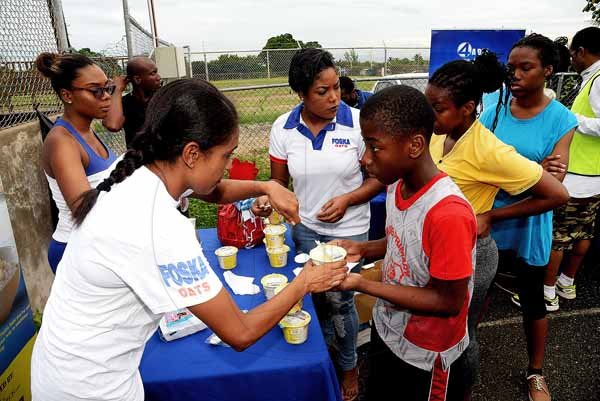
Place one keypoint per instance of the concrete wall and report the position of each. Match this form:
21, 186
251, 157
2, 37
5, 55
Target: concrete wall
27, 197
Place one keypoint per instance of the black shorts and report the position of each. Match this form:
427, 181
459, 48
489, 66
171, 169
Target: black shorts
530, 284
390, 378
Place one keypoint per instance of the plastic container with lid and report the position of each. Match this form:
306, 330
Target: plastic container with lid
278, 256
295, 327
227, 256
272, 281
325, 253
275, 235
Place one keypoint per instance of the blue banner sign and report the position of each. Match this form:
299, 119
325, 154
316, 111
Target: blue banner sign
448, 45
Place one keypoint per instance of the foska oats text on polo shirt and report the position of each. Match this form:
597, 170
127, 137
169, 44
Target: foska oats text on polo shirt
340, 142
186, 274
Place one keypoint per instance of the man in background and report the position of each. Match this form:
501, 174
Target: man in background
574, 223
129, 111
350, 95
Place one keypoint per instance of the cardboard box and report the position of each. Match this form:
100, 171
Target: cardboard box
364, 303
178, 324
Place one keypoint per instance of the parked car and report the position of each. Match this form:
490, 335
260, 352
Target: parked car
417, 80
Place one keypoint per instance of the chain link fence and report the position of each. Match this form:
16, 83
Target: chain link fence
566, 87
142, 41
30, 27
23, 89
273, 65
26, 29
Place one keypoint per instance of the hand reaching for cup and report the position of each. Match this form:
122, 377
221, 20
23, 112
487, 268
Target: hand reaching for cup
261, 206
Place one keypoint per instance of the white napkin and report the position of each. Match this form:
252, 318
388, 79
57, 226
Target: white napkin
297, 270
241, 285
351, 265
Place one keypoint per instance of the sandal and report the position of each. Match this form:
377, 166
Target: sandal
350, 385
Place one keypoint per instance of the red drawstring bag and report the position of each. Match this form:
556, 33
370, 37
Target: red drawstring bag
242, 170
236, 225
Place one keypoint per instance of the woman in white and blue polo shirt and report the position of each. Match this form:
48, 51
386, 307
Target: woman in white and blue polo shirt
318, 144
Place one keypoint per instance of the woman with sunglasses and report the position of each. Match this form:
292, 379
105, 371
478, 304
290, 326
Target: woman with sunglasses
74, 159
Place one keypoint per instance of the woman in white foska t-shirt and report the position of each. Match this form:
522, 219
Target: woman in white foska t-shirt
133, 256
318, 144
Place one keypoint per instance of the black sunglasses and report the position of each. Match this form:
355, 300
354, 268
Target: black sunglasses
99, 91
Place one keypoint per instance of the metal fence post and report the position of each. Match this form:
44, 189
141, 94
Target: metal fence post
189, 61
206, 67
385, 59
560, 85
60, 27
268, 66
153, 23
127, 30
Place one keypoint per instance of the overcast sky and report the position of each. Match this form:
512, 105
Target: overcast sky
233, 25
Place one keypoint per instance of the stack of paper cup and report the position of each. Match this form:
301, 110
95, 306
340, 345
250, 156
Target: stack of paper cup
278, 256
275, 235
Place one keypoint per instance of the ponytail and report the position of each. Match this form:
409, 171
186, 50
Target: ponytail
494, 77
469, 80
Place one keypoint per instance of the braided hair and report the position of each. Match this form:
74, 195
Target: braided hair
469, 80
187, 110
547, 50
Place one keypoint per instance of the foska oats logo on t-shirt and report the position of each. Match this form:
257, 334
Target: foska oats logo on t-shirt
340, 142
188, 275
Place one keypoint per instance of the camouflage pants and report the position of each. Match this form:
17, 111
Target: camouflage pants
574, 221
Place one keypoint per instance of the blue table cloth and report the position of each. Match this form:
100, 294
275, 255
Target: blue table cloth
189, 369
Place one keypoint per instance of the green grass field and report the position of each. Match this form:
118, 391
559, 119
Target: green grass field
265, 105
238, 83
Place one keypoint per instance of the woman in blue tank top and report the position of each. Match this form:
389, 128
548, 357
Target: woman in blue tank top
74, 159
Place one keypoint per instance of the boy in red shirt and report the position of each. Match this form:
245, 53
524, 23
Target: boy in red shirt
420, 318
